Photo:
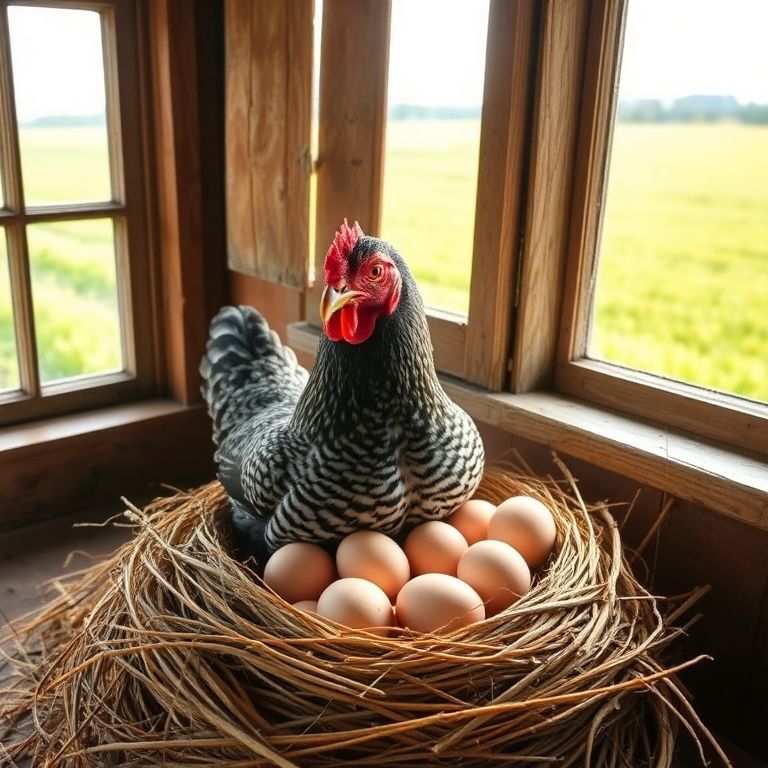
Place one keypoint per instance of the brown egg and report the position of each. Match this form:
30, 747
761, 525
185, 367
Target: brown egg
358, 604
375, 557
434, 547
497, 572
527, 525
308, 606
471, 519
299, 571
435, 601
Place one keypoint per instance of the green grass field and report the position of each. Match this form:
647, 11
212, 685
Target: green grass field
683, 281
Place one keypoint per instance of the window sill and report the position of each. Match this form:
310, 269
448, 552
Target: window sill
69, 463
714, 476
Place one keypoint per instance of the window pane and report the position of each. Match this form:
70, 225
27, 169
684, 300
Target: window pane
60, 104
9, 361
682, 285
74, 290
436, 72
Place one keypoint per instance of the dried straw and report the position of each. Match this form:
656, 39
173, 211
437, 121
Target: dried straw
171, 653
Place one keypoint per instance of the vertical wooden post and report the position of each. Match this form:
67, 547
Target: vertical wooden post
353, 113
268, 127
178, 157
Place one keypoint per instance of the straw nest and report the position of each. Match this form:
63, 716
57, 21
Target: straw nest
171, 653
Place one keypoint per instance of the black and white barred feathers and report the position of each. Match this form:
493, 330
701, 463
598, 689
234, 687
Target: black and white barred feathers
368, 440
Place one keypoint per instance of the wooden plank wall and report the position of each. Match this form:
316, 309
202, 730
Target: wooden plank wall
268, 104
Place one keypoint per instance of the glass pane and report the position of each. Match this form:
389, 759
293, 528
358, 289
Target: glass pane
60, 104
682, 283
74, 291
9, 361
436, 73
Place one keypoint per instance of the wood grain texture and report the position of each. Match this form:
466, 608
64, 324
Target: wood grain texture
353, 109
60, 465
501, 177
730, 420
595, 133
555, 130
179, 158
268, 124
280, 306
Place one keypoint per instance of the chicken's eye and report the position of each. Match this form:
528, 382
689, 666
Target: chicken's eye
376, 272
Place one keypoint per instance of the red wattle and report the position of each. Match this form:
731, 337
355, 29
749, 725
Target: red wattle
333, 327
357, 323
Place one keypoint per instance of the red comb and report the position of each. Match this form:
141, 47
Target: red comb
339, 252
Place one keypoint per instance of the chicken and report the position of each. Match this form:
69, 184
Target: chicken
368, 439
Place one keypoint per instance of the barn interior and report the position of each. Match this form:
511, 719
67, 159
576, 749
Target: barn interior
241, 133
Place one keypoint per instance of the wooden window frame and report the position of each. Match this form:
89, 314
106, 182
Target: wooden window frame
126, 210
55, 466
579, 51
353, 113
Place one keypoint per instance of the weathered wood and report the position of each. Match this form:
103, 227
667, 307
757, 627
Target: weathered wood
98, 457
280, 306
268, 124
712, 415
179, 154
555, 130
353, 109
501, 176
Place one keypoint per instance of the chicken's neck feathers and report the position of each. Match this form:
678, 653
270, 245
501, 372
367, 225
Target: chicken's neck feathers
392, 376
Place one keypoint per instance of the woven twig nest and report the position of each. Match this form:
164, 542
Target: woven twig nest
172, 653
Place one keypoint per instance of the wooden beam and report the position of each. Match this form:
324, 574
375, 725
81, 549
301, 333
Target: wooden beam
353, 111
555, 132
179, 155
268, 125
503, 143
100, 456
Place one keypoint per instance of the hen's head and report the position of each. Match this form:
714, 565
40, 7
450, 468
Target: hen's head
362, 283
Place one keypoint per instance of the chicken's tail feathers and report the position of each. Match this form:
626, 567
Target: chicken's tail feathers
245, 369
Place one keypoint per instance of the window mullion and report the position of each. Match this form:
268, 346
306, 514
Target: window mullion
18, 257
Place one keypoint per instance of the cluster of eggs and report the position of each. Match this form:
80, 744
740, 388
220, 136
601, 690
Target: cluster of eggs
447, 574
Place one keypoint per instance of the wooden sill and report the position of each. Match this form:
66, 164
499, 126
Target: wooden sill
70, 463
717, 477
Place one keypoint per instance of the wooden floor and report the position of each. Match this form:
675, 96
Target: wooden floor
31, 556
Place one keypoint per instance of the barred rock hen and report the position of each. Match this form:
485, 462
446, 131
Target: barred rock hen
369, 439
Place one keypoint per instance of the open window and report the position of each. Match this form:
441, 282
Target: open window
667, 269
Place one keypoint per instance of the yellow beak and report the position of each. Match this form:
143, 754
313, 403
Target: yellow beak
332, 301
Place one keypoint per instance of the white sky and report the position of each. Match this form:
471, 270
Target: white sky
672, 48
675, 48
57, 62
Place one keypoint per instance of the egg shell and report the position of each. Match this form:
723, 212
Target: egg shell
435, 601
471, 519
434, 547
299, 571
308, 606
497, 572
375, 557
527, 525
358, 604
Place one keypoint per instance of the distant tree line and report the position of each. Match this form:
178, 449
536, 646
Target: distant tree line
692, 109
65, 121
419, 112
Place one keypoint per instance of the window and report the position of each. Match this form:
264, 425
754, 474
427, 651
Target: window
434, 99
75, 320
663, 247
471, 339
